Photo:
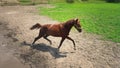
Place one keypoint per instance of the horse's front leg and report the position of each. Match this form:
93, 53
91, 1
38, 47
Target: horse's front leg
61, 42
72, 41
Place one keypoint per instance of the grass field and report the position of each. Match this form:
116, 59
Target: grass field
99, 18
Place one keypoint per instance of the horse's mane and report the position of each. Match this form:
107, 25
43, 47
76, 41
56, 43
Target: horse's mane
68, 22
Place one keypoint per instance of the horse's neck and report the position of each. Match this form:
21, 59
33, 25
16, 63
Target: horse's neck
68, 26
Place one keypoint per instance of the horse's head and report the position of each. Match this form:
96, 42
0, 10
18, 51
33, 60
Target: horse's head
77, 25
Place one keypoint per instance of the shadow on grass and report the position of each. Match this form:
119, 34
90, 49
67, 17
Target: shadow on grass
45, 48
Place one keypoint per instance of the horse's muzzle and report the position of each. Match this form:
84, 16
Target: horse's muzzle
79, 30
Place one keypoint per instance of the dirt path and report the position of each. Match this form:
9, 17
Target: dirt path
15, 40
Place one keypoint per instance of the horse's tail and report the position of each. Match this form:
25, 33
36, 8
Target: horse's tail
36, 26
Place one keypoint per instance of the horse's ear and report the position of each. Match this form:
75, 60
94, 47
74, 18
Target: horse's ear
76, 19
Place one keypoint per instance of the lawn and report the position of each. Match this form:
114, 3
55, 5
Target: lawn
99, 18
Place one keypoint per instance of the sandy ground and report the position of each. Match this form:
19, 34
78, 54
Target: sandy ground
16, 38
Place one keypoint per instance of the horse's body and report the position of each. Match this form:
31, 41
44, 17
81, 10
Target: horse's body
57, 30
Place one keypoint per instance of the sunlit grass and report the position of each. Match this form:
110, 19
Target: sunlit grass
102, 19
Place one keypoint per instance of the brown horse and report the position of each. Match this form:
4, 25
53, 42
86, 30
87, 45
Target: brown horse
57, 30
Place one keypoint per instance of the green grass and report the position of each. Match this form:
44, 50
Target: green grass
25, 2
99, 18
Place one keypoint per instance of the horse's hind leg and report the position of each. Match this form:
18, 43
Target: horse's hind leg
45, 37
41, 34
36, 39
72, 41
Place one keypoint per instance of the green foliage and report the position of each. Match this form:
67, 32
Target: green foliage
70, 1
33, 2
102, 19
114, 1
25, 2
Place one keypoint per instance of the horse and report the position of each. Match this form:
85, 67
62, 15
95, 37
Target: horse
57, 30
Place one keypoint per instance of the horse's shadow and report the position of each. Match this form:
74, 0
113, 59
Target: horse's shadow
45, 48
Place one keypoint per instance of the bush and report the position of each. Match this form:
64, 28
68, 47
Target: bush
84, 0
113, 1
70, 1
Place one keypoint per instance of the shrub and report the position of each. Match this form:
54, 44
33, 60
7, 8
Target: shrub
70, 1
113, 1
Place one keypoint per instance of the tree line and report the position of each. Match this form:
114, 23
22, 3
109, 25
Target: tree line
110, 1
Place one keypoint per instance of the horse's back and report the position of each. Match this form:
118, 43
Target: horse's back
53, 29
